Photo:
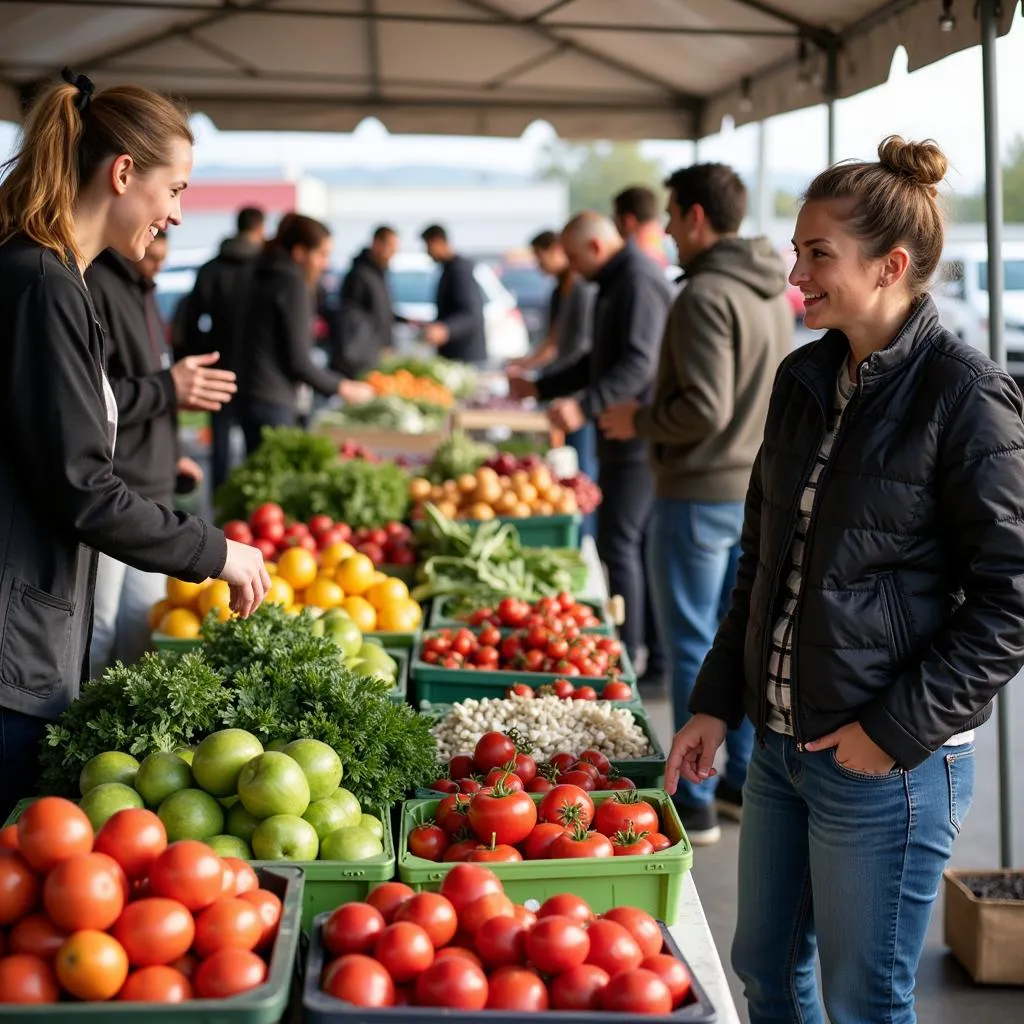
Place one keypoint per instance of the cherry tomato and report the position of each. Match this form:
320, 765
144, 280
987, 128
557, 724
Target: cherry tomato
517, 988
500, 941
466, 883
579, 988
556, 648
567, 805
616, 689
359, 980
673, 973
520, 690
27, 979
563, 688
434, 913
637, 991
353, 928
156, 984
428, 841
586, 692
387, 898
229, 972
154, 931
510, 648
493, 749
268, 906
463, 645
454, 981
404, 949
489, 636
19, 887
481, 616
556, 943
537, 844
486, 657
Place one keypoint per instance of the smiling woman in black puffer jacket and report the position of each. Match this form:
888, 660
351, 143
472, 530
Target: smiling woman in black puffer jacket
879, 606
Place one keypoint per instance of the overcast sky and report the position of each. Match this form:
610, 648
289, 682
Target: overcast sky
942, 101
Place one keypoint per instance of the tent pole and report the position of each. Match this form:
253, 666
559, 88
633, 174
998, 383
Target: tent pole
831, 90
989, 11
765, 210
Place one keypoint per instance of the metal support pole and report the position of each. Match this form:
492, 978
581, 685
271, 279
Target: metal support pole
988, 12
765, 206
831, 90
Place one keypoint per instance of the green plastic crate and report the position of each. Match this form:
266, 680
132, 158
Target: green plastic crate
646, 772
329, 883
266, 1004
438, 617
163, 642
404, 640
448, 685
652, 883
561, 531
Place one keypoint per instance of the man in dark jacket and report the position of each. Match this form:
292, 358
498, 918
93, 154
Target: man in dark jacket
365, 315
629, 319
728, 331
208, 319
148, 391
458, 332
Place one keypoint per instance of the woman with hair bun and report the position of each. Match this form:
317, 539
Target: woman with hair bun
878, 609
95, 170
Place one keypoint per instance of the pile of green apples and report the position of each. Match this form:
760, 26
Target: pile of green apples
364, 656
285, 803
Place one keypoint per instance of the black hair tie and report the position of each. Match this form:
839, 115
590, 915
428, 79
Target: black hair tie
85, 88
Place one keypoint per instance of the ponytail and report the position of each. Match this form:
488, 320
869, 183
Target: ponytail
65, 142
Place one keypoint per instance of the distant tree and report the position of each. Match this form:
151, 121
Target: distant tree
597, 171
786, 204
971, 207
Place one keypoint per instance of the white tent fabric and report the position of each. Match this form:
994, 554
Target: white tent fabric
592, 68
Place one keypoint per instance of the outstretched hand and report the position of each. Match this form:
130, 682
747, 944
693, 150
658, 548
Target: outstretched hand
693, 751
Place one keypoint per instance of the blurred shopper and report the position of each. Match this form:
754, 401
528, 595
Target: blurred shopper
458, 332
95, 170
729, 329
276, 336
629, 319
568, 339
207, 321
366, 318
148, 390
638, 218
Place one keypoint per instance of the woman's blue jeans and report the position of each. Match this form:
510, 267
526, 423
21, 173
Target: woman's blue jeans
846, 865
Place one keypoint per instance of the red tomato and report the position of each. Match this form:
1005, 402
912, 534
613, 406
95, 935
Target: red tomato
597, 759
319, 524
616, 689
586, 768
27, 979
637, 991
500, 941
245, 877
586, 692
512, 612
461, 849
579, 988
629, 844
154, 931
625, 810
640, 925
462, 766
359, 980
537, 845
520, 690
659, 841
266, 547
563, 688
443, 954
470, 786
267, 513
268, 906
36, 935
581, 843
561, 762
230, 923
9, 837
486, 657
445, 786
567, 805
186, 965
404, 949
434, 913
453, 981
556, 943
620, 782
673, 973
428, 841
187, 871
51, 830
158, 984
612, 947
352, 928
567, 904
452, 813
237, 530
229, 972
134, 838
85, 893
502, 816
387, 898
466, 883
19, 887
556, 648
506, 776
584, 780
493, 904
540, 785
496, 853
517, 988
493, 749
489, 636
526, 767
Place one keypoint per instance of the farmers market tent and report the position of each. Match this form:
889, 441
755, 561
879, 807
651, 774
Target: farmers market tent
592, 68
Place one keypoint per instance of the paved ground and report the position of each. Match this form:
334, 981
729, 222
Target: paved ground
945, 993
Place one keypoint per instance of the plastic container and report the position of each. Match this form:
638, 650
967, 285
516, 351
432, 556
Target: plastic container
163, 642
266, 1004
333, 882
400, 691
652, 883
561, 531
406, 641
646, 772
321, 1008
438, 617
448, 685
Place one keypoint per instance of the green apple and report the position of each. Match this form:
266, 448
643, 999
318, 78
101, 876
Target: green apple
273, 783
230, 846
221, 757
372, 824
377, 662
340, 628
351, 844
285, 837
349, 806
106, 799
321, 765
112, 766
160, 775
185, 753
240, 823
191, 814
316, 627
279, 744
327, 816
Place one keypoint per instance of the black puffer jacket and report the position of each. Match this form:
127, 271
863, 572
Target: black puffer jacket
911, 614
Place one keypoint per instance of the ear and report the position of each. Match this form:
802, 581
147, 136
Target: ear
894, 267
121, 172
696, 216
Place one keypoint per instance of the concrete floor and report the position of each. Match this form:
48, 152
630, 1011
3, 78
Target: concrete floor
945, 992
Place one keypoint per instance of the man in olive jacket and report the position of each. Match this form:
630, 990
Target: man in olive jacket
728, 330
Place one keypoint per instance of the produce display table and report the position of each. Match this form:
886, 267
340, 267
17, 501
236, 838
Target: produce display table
519, 421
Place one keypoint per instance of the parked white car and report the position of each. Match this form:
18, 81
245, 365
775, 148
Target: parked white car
961, 294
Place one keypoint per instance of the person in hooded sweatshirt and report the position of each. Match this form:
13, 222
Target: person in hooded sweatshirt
275, 338
729, 329
207, 320
366, 318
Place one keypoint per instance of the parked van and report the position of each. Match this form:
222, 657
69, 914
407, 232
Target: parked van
961, 294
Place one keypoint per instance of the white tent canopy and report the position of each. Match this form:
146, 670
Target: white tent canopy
592, 68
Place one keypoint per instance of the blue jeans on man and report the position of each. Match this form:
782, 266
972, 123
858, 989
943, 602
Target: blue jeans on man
692, 555
584, 441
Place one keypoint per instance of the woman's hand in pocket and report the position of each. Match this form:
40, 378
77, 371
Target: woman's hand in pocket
693, 751
855, 750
